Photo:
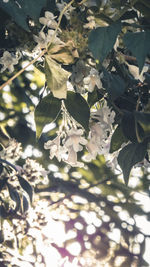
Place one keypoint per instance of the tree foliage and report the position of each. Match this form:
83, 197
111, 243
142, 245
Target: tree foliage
75, 81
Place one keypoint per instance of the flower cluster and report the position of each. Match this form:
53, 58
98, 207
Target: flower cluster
12, 152
70, 140
8, 60
70, 137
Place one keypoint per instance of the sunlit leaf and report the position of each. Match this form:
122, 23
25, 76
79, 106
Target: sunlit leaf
138, 43
117, 139
63, 53
129, 156
56, 78
78, 109
102, 40
144, 120
26, 187
46, 112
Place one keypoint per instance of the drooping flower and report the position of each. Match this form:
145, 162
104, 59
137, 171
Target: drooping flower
56, 150
79, 72
8, 61
48, 20
75, 139
92, 80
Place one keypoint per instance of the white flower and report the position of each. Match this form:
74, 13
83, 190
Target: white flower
43, 39
48, 20
92, 80
12, 152
62, 5
8, 61
5, 1
74, 140
105, 117
56, 150
34, 172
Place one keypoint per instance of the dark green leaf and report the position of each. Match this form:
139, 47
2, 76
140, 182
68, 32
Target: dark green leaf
46, 112
128, 126
14, 196
129, 156
139, 44
22, 9
26, 187
56, 78
114, 85
25, 204
117, 139
1, 168
102, 40
78, 109
144, 120
94, 97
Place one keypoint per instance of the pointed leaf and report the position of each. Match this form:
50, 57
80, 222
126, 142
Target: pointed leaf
114, 85
46, 112
26, 187
14, 196
63, 53
22, 9
78, 109
129, 156
117, 139
102, 40
56, 78
139, 44
143, 120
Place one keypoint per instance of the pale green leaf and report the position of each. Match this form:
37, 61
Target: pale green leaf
56, 78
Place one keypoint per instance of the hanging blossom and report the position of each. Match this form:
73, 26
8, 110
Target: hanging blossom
100, 133
12, 152
91, 23
48, 20
68, 142
92, 80
8, 60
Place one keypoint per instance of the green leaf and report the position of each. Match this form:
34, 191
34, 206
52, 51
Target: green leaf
143, 119
22, 9
26, 187
56, 78
139, 44
14, 196
102, 40
63, 53
117, 139
94, 97
78, 109
114, 85
128, 126
25, 204
129, 156
46, 112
